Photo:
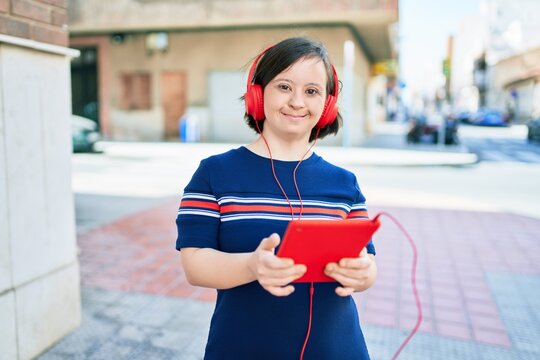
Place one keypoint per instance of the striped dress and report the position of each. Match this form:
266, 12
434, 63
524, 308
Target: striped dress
232, 203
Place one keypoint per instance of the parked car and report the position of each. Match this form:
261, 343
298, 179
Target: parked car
84, 134
533, 130
489, 117
465, 117
422, 130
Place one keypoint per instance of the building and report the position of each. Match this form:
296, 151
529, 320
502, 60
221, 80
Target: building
495, 62
148, 66
510, 25
511, 56
516, 85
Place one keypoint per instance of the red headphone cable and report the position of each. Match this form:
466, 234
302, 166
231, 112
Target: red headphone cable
413, 280
312, 289
294, 173
311, 292
413, 283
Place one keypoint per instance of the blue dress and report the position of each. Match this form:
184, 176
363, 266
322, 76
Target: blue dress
231, 204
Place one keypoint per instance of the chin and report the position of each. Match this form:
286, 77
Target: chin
296, 133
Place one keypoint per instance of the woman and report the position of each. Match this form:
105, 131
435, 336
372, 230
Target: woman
238, 204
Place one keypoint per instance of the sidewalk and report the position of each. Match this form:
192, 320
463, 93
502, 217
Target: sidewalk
478, 278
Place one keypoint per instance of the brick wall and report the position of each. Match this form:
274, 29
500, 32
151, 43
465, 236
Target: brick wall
40, 20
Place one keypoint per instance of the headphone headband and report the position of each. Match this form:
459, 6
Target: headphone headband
254, 67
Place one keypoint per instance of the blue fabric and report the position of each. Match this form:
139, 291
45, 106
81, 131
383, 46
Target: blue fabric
232, 203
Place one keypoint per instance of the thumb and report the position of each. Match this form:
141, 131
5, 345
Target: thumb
270, 243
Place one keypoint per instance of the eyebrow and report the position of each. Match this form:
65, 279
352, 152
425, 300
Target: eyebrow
290, 81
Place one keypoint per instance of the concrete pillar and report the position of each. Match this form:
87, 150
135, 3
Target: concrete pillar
39, 272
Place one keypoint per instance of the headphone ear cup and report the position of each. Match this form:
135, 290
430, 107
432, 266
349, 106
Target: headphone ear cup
254, 102
329, 113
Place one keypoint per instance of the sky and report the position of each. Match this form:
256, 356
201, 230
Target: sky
424, 29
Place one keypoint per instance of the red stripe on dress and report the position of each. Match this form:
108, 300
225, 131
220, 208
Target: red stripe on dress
358, 213
200, 204
281, 209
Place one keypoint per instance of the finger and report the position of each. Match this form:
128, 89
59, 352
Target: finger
282, 277
355, 263
344, 291
363, 252
280, 291
330, 267
346, 280
274, 262
270, 243
350, 272
279, 282
334, 270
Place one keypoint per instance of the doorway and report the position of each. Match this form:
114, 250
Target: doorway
173, 100
84, 84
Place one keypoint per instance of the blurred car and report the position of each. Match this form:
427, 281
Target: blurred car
421, 130
426, 130
489, 117
84, 134
463, 117
533, 130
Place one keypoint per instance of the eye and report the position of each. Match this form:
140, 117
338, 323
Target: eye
312, 91
284, 87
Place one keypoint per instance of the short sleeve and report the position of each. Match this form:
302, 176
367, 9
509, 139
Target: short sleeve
198, 215
359, 211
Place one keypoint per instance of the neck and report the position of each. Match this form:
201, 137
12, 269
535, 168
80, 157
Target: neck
281, 149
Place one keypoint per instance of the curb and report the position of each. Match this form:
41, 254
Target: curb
352, 156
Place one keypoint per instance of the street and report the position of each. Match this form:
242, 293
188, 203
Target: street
500, 144
505, 150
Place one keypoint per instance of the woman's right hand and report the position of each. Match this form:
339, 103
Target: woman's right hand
272, 272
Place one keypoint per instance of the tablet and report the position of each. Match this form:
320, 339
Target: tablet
316, 243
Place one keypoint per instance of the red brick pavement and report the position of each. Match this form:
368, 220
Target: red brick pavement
456, 248
137, 254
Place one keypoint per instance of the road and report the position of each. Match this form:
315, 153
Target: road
500, 144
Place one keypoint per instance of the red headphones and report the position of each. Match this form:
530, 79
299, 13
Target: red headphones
255, 104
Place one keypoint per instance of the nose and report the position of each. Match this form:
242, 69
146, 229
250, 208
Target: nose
296, 101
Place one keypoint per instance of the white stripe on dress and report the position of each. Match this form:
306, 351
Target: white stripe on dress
283, 202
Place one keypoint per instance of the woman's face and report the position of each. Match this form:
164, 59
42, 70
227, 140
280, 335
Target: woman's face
294, 99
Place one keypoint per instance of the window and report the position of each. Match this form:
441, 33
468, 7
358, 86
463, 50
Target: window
134, 91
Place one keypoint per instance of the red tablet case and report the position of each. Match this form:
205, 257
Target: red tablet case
316, 243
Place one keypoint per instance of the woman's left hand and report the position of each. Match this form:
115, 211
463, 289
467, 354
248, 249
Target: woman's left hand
354, 274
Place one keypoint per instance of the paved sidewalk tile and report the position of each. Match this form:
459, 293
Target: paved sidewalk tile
137, 254
118, 333
124, 325
457, 251
478, 278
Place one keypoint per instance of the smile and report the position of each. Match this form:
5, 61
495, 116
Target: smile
295, 117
